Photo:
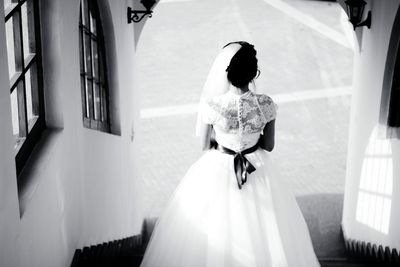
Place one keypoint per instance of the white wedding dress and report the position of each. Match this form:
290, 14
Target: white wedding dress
210, 222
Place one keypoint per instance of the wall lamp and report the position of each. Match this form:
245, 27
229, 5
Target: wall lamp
355, 11
138, 15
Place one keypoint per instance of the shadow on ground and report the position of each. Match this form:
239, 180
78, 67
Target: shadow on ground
323, 214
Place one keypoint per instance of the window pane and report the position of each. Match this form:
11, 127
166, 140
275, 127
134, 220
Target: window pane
85, 12
27, 29
15, 120
10, 47
84, 98
28, 89
89, 98
14, 112
93, 27
88, 62
96, 101
6, 3
80, 14
81, 52
95, 59
32, 99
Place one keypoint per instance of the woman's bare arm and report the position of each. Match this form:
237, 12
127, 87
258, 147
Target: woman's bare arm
205, 136
267, 139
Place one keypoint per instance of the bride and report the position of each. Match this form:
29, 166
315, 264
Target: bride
229, 209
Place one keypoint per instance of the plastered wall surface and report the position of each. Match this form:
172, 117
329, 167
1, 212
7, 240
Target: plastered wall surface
372, 191
84, 188
86, 191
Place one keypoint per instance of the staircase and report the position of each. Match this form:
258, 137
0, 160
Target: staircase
128, 252
118, 253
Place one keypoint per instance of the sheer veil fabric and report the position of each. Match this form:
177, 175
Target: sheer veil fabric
208, 221
217, 82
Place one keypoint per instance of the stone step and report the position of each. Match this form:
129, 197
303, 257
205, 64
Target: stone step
128, 252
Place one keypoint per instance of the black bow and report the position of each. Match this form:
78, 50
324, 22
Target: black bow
241, 164
242, 167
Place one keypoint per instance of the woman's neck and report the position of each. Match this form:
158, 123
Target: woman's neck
239, 90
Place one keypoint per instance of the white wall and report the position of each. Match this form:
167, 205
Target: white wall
84, 189
109, 184
372, 193
8, 186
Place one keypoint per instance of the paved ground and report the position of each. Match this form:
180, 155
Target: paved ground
306, 66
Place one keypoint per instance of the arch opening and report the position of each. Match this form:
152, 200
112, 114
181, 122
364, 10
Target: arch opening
306, 67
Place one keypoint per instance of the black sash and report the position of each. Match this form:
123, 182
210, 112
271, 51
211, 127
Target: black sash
241, 164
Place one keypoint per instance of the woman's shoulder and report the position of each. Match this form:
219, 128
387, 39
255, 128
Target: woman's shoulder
219, 101
264, 99
214, 102
268, 106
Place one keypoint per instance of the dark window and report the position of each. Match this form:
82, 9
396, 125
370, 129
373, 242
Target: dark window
95, 102
24, 65
394, 102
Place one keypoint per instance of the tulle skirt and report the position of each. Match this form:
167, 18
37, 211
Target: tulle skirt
210, 222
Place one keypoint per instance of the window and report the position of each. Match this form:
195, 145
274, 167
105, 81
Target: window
390, 98
24, 64
394, 102
95, 102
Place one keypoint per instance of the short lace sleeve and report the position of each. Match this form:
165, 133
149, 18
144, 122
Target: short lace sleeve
209, 112
268, 107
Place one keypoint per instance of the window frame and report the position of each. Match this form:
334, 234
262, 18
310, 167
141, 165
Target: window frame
87, 77
32, 63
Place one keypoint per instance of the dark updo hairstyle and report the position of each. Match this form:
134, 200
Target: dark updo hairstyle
243, 66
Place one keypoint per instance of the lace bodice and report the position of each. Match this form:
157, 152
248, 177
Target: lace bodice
238, 120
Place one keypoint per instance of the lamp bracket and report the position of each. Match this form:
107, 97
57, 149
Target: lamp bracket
137, 15
366, 22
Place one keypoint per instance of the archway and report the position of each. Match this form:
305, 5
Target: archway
306, 66
389, 112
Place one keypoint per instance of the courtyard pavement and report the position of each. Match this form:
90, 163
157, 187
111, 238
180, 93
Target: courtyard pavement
306, 67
